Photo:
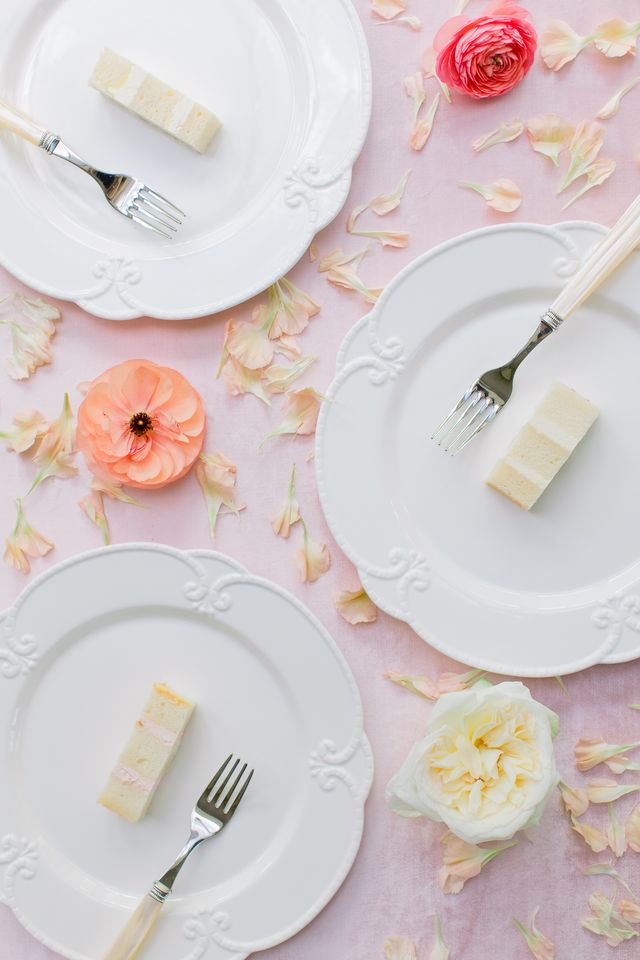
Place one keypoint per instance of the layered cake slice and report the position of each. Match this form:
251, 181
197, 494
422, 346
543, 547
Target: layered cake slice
543, 446
154, 101
149, 751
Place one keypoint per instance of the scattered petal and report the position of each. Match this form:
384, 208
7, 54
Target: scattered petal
278, 379
607, 870
57, 448
615, 834
32, 328
596, 174
387, 202
540, 946
414, 88
113, 490
287, 347
429, 58
502, 195
399, 948
415, 23
282, 521
634, 706
585, 146
387, 9
612, 106
594, 838
240, 380
439, 950
589, 753
313, 557
632, 829
460, 7
606, 791
387, 238
505, 133
619, 765
574, 798
559, 44
217, 478
431, 690
249, 342
423, 125
27, 428
606, 922
562, 685
293, 309
616, 38
341, 270
354, 606
461, 861
301, 409
23, 542
549, 135
313, 251
630, 911
93, 506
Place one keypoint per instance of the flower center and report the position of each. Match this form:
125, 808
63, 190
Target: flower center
140, 424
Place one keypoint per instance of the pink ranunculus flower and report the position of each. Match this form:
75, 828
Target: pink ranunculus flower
141, 424
487, 56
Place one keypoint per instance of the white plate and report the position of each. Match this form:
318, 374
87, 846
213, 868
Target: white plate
78, 655
533, 594
290, 80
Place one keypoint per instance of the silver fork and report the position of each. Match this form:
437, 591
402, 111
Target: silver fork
486, 397
129, 196
215, 807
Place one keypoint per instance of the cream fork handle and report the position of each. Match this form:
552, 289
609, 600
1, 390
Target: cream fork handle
133, 937
606, 257
18, 122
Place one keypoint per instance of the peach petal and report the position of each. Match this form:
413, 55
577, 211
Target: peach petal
387, 9
413, 22
585, 146
632, 829
399, 948
217, 477
575, 799
607, 922
24, 542
293, 309
461, 861
630, 911
549, 135
278, 379
32, 325
505, 133
240, 380
616, 37
439, 951
560, 44
615, 834
93, 506
313, 557
596, 174
594, 838
502, 195
423, 126
289, 514
249, 343
612, 106
606, 791
56, 451
589, 753
301, 409
26, 429
540, 947
354, 606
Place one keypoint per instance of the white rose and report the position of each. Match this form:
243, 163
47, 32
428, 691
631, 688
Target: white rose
486, 765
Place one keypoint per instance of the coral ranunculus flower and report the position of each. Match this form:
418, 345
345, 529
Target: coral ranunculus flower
141, 424
489, 55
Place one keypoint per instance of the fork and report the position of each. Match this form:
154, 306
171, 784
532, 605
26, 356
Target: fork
211, 814
486, 397
129, 196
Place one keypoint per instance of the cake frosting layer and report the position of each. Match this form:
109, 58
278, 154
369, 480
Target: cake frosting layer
154, 101
147, 754
543, 446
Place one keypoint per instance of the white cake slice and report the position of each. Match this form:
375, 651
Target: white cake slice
543, 446
153, 100
147, 754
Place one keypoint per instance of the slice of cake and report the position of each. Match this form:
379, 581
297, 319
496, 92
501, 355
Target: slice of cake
543, 445
153, 100
147, 755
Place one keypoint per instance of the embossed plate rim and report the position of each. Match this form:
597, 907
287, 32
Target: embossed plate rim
349, 767
361, 347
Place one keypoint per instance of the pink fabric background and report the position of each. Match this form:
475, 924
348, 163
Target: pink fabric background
392, 888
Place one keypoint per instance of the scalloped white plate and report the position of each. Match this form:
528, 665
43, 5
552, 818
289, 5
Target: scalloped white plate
542, 593
291, 82
78, 654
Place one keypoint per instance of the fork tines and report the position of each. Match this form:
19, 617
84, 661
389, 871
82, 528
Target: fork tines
219, 801
155, 212
471, 413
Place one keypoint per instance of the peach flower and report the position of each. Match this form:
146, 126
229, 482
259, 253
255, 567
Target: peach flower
141, 424
487, 56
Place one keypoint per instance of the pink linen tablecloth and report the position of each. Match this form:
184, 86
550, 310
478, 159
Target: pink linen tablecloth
392, 888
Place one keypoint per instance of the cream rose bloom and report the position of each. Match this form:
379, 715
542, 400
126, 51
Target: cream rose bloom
486, 765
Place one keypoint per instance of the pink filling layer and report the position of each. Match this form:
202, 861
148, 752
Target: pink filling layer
130, 778
163, 734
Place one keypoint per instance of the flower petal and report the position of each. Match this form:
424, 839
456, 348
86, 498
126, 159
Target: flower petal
607, 870
57, 449
559, 44
27, 428
289, 514
293, 309
505, 133
585, 146
93, 506
354, 606
313, 557
549, 135
612, 106
23, 542
32, 325
617, 37
439, 951
606, 791
413, 22
301, 409
575, 799
607, 922
217, 478
278, 379
399, 948
632, 829
240, 380
630, 911
589, 753
594, 838
540, 947
423, 126
615, 834
461, 861
387, 9
502, 195
596, 174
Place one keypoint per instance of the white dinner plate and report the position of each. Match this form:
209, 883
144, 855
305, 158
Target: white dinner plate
541, 593
78, 655
290, 80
